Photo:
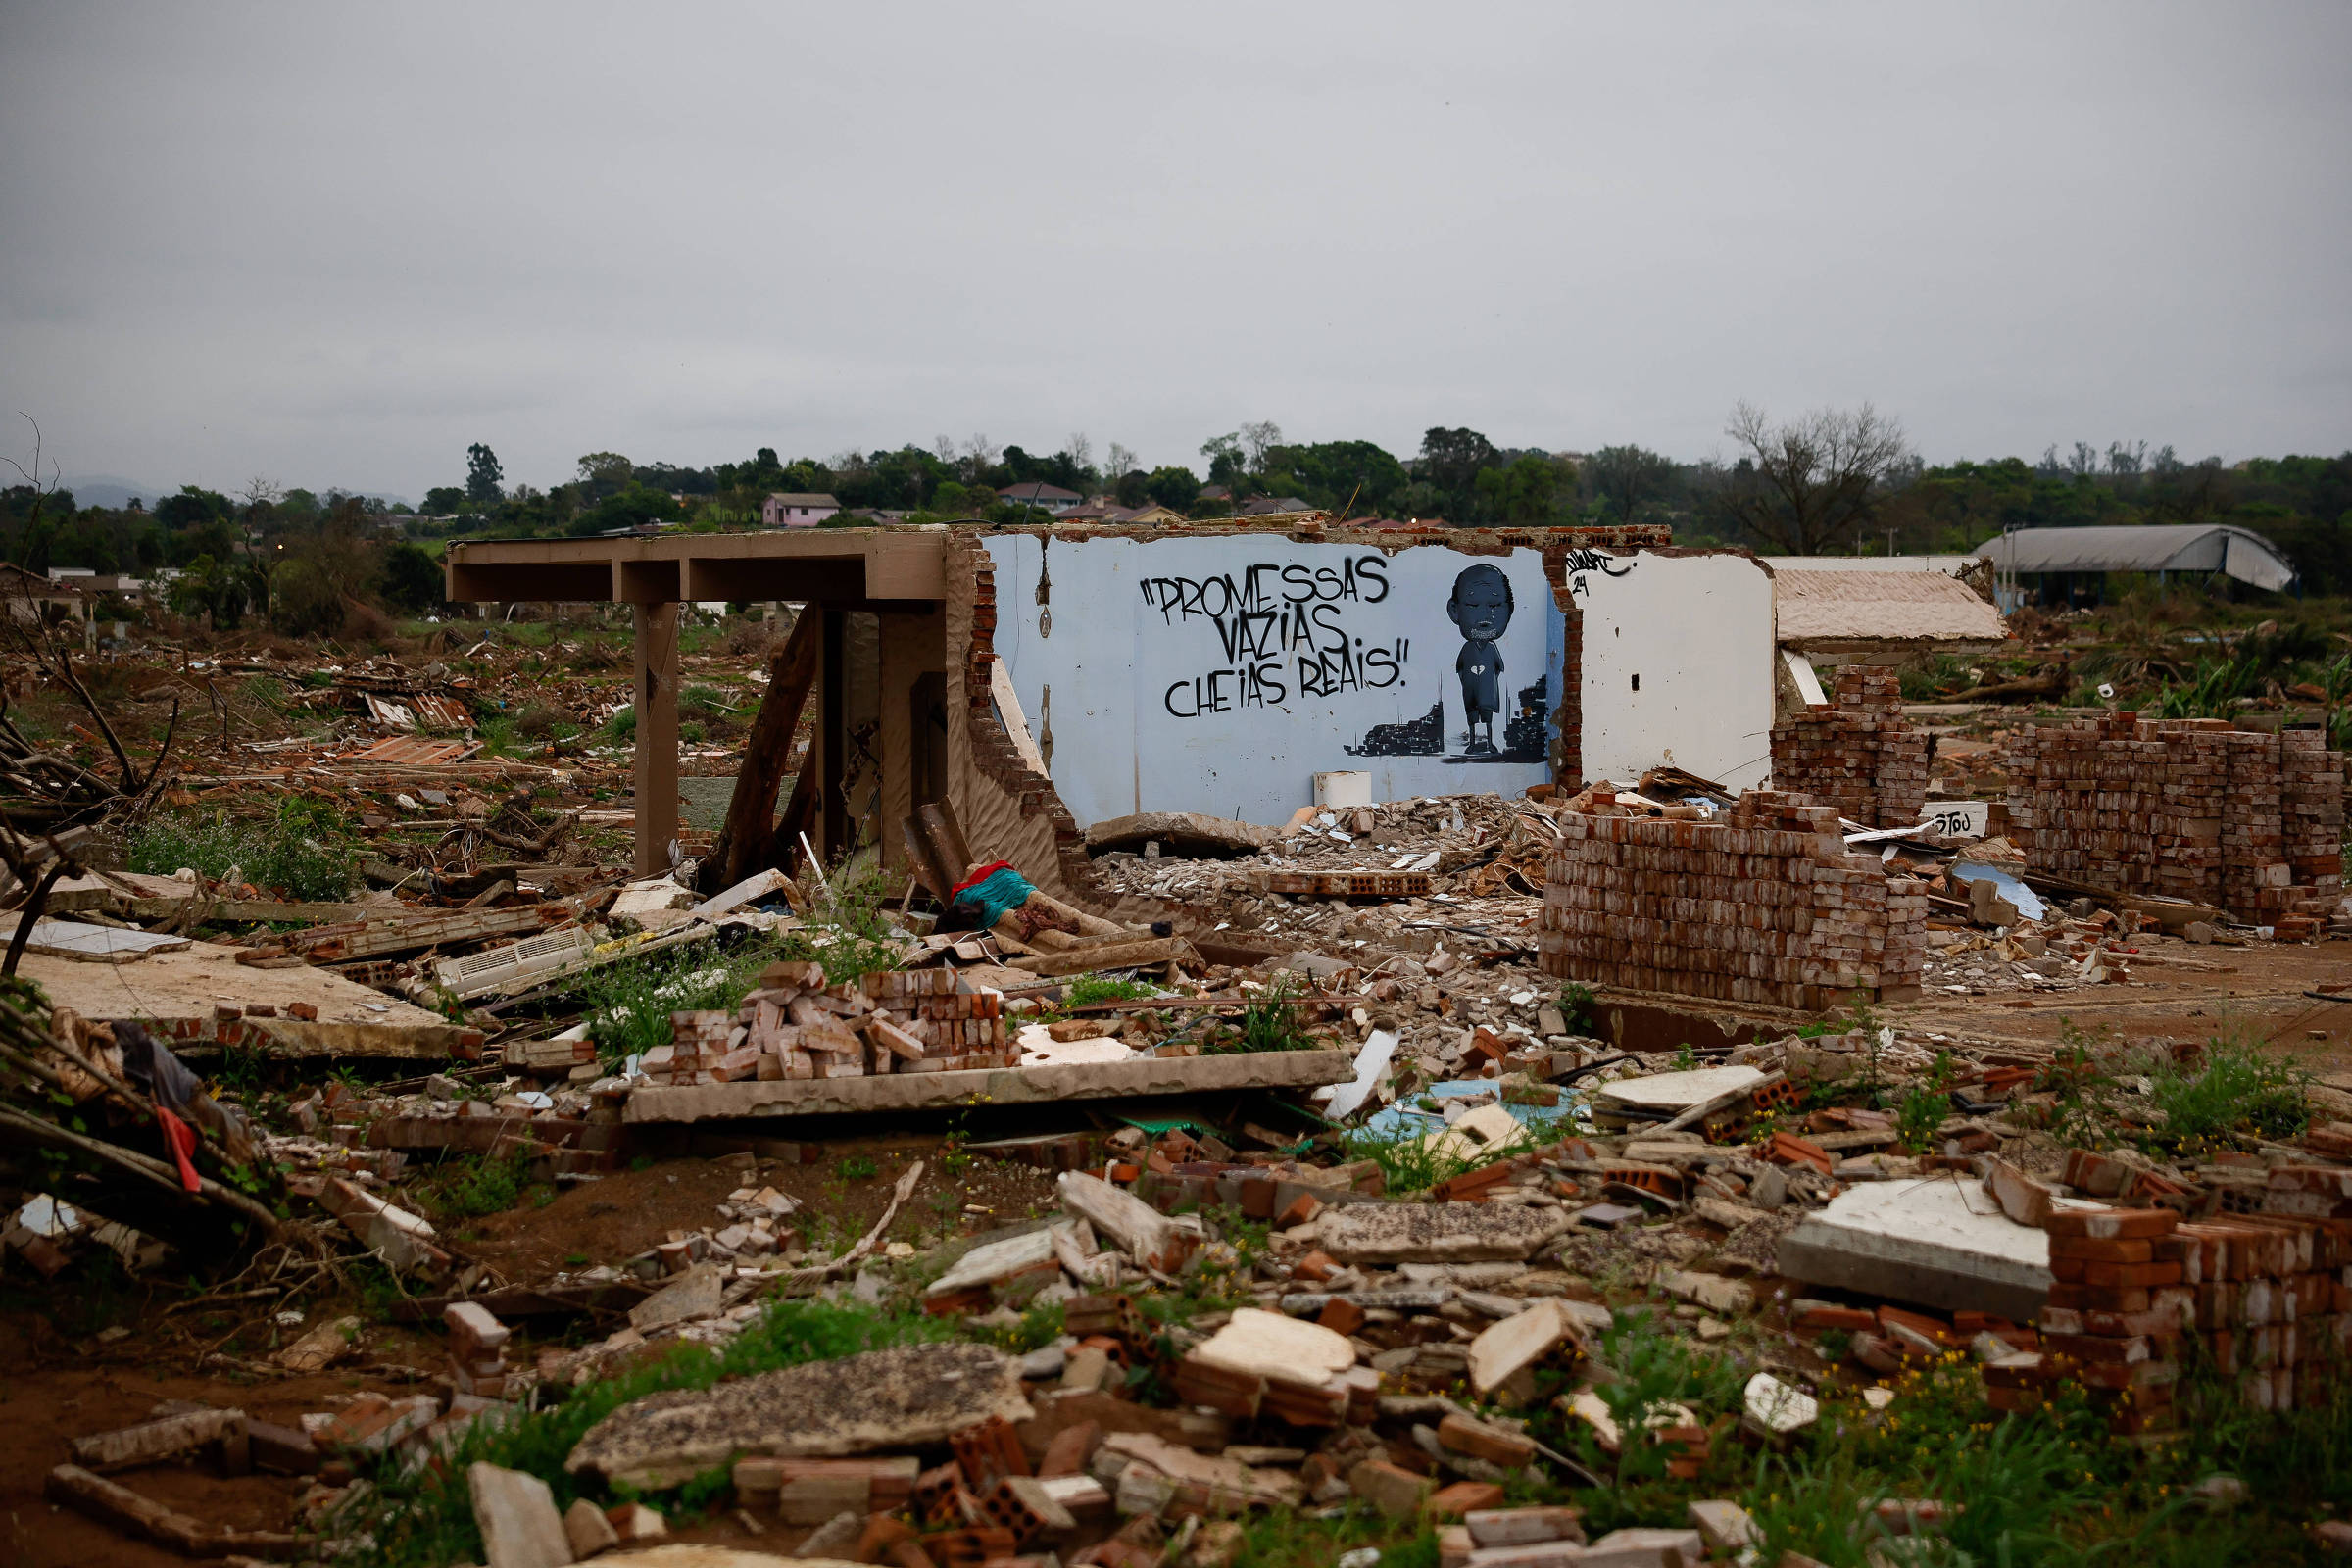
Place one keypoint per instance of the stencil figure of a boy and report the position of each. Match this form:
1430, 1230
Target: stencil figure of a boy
1481, 608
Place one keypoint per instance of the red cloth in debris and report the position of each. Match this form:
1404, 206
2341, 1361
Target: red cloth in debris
180, 1139
977, 877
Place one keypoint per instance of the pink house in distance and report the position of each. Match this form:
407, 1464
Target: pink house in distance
783, 511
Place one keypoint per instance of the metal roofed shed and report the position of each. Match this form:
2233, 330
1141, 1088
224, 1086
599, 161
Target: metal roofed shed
2154, 548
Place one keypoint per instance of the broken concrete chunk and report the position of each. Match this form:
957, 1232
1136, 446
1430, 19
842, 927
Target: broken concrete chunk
588, 1529
1143, 1456
1710, 1291
837, 1537
1724, 1525
1435, 1233
1134, 1226
1269, 1344
996, 1262
1680, 1090
895, 1398
689, 1298
1643, 1549
517, 1515
1941, 1243
1775, 1409
1516, 1343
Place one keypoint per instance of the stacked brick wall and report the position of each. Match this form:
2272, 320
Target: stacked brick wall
1860, 753
2191, 808
1764, 906
2266, 1296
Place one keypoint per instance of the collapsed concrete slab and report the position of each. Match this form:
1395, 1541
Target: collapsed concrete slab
1138, 1077
199, 994
1680, 1090
1437, 1233
1942, 1243
895, 1398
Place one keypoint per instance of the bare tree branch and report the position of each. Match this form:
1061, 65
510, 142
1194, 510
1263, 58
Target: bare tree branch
1814, 481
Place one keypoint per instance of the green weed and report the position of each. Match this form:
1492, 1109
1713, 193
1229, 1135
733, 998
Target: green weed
1410, 1163
1271, 1022
1917, 1118
2235, 1090
1094, 988
474, 1186
304, 852
857, 1168
628, 1004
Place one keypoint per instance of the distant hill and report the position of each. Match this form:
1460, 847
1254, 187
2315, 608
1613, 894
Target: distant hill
110, 490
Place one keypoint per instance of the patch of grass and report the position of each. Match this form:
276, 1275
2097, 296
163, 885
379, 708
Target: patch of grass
422, 1518
1094, 988
304, 852
706, 701
857, 1168
628, 1004
846, 931
475, 1185
1271, 1022
1407, 1157
621, 729
497, 735
1917, 1118
2233, 1091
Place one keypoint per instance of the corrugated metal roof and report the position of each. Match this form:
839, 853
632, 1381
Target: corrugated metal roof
2153, 547
1816, 609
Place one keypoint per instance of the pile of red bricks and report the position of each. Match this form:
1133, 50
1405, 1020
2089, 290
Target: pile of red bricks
795, 1026
1763, 905
1860, 754
2267, 1297
2193, 808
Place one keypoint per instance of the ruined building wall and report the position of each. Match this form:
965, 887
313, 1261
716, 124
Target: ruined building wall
1006, 811
2247, 820
1860, 753
1764, 906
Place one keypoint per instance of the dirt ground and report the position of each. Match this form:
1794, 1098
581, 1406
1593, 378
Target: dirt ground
2258, 989
845, 1192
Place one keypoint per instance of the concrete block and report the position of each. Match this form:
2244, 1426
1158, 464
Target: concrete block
1940, 1244
1437, 1233
1514, 1343
517, 1516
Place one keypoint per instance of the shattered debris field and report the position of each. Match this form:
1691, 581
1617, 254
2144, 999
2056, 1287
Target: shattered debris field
408, 1158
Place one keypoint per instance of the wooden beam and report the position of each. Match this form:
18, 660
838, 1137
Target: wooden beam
747, 841
656, 764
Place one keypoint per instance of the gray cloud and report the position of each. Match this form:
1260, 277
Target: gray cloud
337, 245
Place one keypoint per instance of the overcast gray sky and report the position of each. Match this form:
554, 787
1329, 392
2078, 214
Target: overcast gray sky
335, 244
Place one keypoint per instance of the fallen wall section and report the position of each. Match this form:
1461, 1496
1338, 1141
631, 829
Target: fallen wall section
1764, 906
2191, 808
1859, 754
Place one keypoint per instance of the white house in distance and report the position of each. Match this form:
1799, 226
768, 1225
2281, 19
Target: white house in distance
1044, 497
782, 509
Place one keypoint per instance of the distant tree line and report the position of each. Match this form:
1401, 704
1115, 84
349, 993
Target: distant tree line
1834, 481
